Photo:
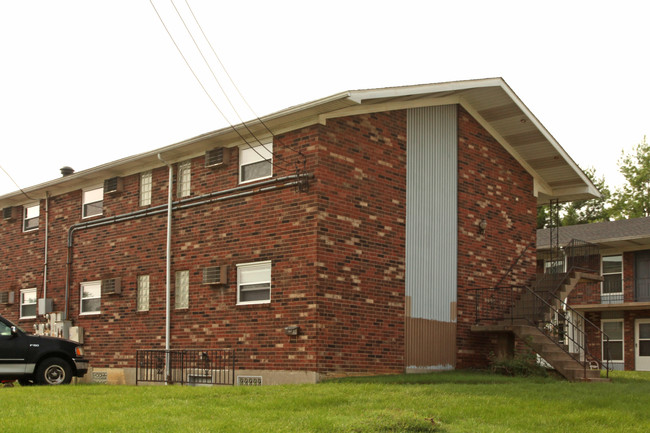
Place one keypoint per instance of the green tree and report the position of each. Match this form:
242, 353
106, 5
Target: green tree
542, 216
633, 199
589, 211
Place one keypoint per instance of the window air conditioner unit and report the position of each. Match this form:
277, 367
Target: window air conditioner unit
113, 185
112, 286
215, 275
6, 297
217, 157
11, 213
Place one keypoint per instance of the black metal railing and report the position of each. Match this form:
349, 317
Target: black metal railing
582, 256
514, 263
543, 309
192, 367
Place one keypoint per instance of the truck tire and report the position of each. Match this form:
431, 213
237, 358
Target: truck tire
53, 371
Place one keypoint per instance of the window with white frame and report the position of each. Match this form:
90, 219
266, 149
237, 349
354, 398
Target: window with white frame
182, 292
254, 283
613, 350
91, 297
145, 188
143, 293
612, 272
93, 202
184, 178
28, 303
554, 266
255, 162
30, 217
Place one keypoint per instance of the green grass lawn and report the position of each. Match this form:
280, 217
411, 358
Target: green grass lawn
439, 402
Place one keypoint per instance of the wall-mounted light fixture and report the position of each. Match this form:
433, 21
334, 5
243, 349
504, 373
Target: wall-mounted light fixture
292, 331
482, 226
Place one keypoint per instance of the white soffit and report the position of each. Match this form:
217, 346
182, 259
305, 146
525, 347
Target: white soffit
493, 103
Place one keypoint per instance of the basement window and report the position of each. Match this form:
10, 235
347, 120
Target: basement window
255, 162
30, 217
254, 283
93, 202
91, 297
28, 304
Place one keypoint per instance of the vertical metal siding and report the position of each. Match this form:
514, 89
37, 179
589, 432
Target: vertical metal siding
431, 237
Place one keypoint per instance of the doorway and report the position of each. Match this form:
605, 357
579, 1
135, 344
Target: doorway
642, 345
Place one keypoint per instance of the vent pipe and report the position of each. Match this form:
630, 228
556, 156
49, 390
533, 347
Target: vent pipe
66, 171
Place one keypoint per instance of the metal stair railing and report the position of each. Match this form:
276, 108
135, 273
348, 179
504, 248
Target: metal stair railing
514, 263
563, 310
500, 305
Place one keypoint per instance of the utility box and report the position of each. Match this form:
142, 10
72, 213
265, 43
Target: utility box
77, 334
44, 306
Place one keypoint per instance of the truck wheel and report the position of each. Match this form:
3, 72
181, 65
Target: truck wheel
53, 371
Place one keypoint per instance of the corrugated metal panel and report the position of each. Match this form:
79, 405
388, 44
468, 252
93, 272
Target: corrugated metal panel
431, 237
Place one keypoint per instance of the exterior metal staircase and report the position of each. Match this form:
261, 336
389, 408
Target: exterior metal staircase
540, 317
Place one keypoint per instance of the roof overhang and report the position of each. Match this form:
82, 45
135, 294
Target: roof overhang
490, 101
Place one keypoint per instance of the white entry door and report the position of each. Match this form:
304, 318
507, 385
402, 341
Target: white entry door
642, 344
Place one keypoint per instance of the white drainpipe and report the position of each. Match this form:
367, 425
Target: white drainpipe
168, 269
47, 228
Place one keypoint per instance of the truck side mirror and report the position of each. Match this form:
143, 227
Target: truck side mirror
14, 331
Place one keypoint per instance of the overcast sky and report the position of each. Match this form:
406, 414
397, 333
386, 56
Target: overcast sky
87, 82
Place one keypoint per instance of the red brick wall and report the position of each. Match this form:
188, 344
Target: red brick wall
21, 262
277, 225
337, 252
493, 186
361, 185
590, 292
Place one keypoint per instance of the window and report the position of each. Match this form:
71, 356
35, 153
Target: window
93, 202
254, 283
30, 217
554, 266
256, 162
182, 294
612, 271
614, 330
5, 330
143, 293
145, 188
184, 178
28, 304
91, 297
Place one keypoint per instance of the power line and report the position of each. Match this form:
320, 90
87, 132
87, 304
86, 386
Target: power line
12, 179
274, 163
230, 78
218, 82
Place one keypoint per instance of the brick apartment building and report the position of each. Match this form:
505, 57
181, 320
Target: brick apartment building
620, 304
363, 223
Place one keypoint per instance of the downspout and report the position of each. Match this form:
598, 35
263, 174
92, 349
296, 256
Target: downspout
47, 228
168, 269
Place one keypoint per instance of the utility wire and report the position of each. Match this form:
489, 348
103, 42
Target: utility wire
219, 83
274, 163
12, 179
230, 78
